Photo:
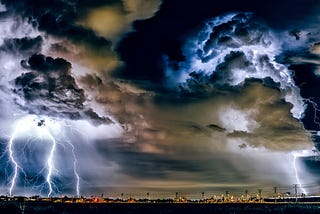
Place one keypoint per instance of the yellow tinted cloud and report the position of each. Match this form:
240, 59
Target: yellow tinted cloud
113, 21
141, 9
107, 21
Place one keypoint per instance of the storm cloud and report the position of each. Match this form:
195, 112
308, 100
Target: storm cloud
163, 95
49, 85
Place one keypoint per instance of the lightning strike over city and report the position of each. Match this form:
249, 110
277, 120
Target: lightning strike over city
178, 99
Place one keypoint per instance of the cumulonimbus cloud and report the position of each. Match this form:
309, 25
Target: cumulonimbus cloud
228, 51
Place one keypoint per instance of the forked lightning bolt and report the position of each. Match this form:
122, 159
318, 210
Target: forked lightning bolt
302, 153
316, 110
42, 128
14, 163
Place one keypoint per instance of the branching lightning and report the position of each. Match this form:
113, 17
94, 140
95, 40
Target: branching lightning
45, 129
316, 110
316, 121
50, 162
295, 155
14, 162
75, 168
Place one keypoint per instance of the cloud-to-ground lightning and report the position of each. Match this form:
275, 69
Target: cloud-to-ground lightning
296, 155
75, 166
14, 163
50, 162
44, 129
297, 174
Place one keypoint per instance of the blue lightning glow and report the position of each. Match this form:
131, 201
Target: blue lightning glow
297, 173
296, 155
14, 162
20, 128
50, 163
45, 129
75, 171
316, 110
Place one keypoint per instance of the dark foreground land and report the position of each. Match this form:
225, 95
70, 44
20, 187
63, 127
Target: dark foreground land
163, 208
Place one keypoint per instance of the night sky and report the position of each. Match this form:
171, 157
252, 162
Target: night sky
158, 96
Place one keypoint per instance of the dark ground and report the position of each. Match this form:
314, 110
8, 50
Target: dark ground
163, 208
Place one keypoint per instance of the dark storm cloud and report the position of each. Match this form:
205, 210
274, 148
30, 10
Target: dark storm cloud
67, 18
49, 89
226, 52
95, 118
158, 166
305, 62
316, 139
216, 127
309, 84
58, 18
164, 34
25, 46
49, 81
196, 128
197, 137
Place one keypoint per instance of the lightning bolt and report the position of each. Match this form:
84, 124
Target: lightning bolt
75, 168
50, 162
14, 163
316, 110
316, 120
295, 155
43, 128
